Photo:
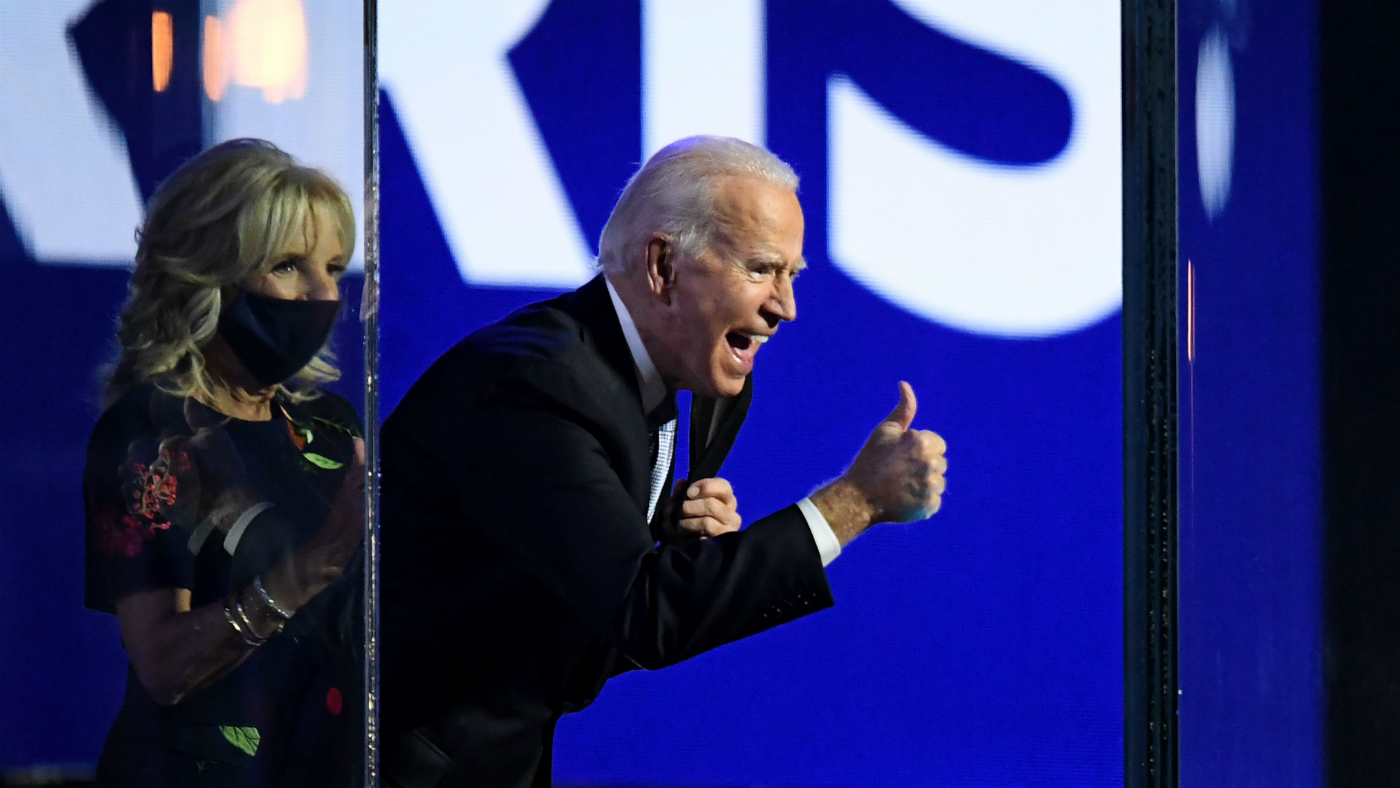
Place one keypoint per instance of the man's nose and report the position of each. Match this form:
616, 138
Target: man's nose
783, 303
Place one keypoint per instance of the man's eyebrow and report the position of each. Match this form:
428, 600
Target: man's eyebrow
773, 258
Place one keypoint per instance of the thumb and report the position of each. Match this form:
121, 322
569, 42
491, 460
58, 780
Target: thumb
903, 414
359, 452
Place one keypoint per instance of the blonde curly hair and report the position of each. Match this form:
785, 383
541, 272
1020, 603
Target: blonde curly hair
220, 218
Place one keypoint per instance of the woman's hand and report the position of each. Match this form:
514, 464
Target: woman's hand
176, 650
224, 490
323, 558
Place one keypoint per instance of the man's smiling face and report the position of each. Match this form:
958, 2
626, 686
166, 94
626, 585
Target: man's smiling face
729, 300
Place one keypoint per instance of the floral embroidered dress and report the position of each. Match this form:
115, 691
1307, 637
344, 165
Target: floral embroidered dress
157, 465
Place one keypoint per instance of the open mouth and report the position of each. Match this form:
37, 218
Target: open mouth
744, 347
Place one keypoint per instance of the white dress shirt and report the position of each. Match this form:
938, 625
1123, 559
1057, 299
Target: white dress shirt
653, 391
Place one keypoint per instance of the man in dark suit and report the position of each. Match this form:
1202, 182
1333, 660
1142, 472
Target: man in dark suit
529, 549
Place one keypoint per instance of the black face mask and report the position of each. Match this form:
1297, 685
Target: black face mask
274, 337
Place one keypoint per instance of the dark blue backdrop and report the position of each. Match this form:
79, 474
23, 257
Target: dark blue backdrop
980, 648
1251, 541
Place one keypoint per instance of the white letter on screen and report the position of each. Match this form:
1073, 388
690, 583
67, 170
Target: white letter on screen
974, 245
702, 70
64, 173
478, 150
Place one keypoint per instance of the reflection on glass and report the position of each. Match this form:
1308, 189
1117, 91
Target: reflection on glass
265, 48
225, 490
162, 50
1251, 655
199, 621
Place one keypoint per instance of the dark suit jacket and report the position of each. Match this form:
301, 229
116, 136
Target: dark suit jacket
519, 571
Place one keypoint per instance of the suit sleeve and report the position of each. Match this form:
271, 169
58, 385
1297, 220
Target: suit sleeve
537, 477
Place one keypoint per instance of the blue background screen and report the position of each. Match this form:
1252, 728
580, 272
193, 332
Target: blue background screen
960, 170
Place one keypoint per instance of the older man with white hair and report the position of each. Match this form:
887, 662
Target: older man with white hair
533, 547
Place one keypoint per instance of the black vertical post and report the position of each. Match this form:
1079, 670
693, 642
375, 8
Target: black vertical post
1360, 176
369, 312
1149, 393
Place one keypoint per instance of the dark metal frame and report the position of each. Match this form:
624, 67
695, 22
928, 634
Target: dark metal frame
1150, 681
1150, 493
370, 314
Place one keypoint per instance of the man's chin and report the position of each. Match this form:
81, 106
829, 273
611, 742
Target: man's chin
725, 386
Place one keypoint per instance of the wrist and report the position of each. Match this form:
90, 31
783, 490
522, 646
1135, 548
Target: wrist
846, 508
250, 622
300, 577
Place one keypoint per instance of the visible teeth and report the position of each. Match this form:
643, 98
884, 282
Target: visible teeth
759, 338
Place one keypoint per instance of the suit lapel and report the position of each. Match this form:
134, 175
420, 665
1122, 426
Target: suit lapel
713, 427
592, 307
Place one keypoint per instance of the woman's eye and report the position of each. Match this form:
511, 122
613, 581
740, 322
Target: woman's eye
285, 267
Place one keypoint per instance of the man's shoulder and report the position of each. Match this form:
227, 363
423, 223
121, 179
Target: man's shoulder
546, 345
540, 332
531, 339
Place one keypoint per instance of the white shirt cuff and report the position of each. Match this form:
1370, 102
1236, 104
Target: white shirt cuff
827, 543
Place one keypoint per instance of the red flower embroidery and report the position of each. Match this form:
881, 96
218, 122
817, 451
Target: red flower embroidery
155, 487
151, 491
124, 535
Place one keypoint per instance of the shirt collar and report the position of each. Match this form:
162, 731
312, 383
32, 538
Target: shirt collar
653, 389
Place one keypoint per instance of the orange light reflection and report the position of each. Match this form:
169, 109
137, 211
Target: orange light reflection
268, 47
162, 50
1190, 311
214, 63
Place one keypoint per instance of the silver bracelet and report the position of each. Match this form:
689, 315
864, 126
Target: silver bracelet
247, 622
244, 634
266, 599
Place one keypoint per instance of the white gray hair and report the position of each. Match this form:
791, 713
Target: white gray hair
674, 193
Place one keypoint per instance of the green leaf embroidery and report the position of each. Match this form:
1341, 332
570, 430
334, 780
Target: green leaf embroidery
322, 462
338, 426
245, 739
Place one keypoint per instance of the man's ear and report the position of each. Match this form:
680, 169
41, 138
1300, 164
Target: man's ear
661, 271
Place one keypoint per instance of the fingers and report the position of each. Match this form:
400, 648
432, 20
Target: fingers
931, 455
903, 413
707, 526
924, 467
359, 452
710, 508
712, 488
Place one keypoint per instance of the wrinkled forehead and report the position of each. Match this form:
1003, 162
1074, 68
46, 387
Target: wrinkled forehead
759, 216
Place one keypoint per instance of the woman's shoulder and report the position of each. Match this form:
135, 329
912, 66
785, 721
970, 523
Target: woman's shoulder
141, 410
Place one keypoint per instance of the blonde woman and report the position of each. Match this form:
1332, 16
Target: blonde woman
224, 491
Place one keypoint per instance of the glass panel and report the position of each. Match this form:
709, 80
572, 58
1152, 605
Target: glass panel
1251, 594
184, 504
961, 183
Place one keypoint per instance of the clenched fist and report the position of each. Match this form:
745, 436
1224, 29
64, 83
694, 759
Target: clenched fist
896, 477
708, 508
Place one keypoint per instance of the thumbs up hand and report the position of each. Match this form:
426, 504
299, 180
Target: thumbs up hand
896, 477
